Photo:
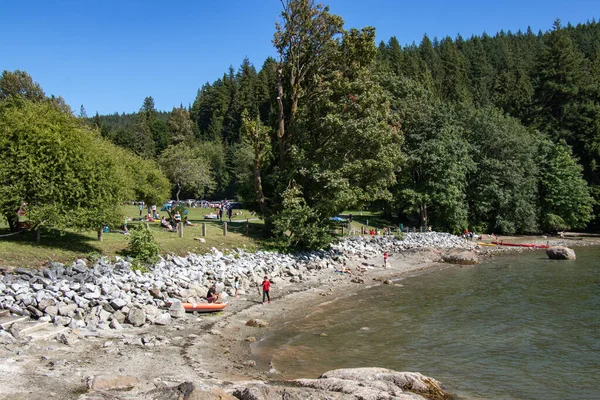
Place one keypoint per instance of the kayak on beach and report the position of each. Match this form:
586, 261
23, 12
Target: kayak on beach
485, 244
204, 307
530, 245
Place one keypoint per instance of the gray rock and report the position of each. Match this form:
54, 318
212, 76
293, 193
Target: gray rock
258, 323
112, 382
6, 338
67, 338
118, 316
45, 303
51, 310
163, 319
176, 310
62, 321
66, 309
461, 257
560, 253
136, 317
117, 304
115, 324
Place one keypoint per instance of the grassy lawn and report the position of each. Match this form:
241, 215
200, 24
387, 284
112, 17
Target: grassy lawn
21, 250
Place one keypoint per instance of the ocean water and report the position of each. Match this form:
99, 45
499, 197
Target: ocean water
517, 326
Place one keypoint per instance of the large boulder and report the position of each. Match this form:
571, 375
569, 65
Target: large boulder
189, 391
460, 257
560, 253
136, 317
353, 383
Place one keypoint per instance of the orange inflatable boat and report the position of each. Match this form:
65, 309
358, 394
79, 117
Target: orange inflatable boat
204, 307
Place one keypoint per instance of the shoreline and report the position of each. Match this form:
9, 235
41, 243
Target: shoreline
208, 350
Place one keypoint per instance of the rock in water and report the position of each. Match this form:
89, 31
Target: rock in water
461, 258
258, 323
560, 253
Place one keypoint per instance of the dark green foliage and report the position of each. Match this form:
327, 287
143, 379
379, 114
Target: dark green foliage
565, 201
298, 226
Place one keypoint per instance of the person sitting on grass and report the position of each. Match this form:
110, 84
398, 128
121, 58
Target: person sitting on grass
166, 224
212, 296
186, 222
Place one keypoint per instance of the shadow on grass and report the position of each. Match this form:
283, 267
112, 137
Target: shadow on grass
53, 239
376, 221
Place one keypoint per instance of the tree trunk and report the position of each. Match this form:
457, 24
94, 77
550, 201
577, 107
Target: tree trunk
100, 234
260, 197
178, 191
281, 128
13, 222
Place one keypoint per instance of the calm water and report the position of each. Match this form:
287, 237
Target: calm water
515, 327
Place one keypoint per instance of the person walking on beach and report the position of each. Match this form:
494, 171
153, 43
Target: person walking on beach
266, 285
236, 286
385, 257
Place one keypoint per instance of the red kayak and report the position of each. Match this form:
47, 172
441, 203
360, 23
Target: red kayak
530, 245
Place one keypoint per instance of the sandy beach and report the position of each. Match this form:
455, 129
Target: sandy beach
206, 349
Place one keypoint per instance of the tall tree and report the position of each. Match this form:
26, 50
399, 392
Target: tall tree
181, 128
307, 30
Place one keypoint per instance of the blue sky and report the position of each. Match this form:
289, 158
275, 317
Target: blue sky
109, 55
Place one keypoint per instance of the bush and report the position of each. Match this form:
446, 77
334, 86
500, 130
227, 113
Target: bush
142, 246
299, 226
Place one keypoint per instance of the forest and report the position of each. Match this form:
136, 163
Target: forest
491, 133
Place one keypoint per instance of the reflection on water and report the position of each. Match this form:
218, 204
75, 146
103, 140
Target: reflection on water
515, 327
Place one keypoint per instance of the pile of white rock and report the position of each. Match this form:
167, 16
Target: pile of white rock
370, 246
108, 294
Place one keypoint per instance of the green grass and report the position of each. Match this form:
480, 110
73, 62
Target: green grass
21, 250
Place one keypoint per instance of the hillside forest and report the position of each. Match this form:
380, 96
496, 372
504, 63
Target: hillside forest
491, 133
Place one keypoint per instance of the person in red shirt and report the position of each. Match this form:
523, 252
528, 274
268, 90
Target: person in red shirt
266, 285
385, 257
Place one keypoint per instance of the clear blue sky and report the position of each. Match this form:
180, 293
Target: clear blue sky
109, 55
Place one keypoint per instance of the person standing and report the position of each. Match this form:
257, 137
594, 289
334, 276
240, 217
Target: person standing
229, 212
236, 286
385, 258
266, 286
141, 208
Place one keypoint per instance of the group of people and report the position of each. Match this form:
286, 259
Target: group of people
212, 296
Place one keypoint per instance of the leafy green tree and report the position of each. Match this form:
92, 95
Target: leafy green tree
186, 169
564, 196
19, 83
65, 173
502, 190
433, 180
307, 30
219, 160
298, 226
256, 135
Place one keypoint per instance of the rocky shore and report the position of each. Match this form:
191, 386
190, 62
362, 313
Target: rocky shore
75, 323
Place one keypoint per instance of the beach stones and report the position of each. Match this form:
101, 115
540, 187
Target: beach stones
257, 323
560, 253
